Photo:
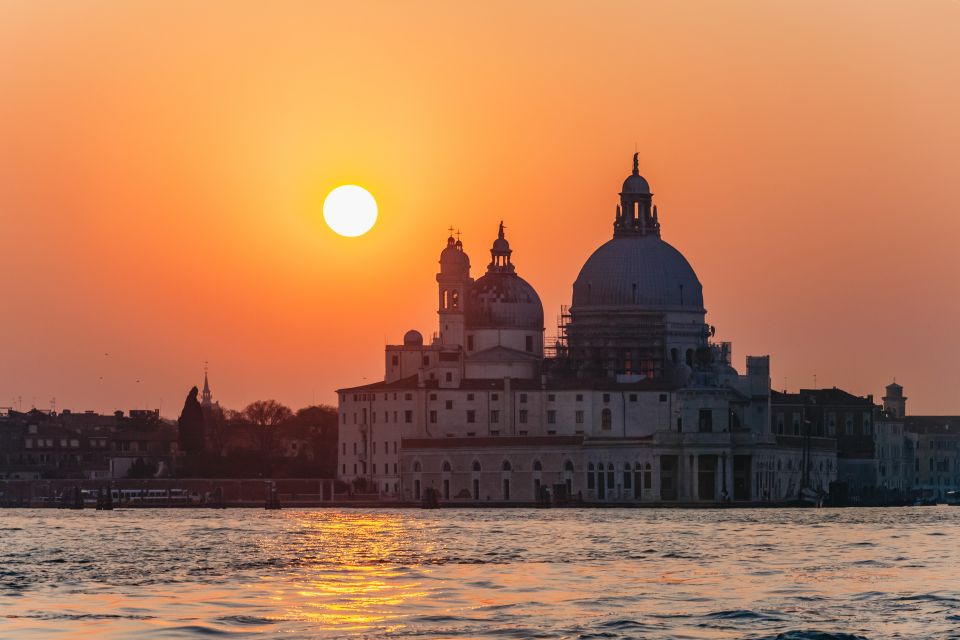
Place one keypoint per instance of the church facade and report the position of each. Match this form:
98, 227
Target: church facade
634, 403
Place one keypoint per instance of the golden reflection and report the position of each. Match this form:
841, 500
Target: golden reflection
353, 568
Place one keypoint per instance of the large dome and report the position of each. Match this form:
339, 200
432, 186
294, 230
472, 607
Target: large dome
641, 272
505, 301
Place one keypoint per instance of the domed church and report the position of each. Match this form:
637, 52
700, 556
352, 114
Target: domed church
632, 402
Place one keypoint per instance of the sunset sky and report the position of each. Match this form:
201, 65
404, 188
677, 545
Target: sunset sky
163, 167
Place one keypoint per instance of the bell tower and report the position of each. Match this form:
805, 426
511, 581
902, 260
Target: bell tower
453, 282
895, 403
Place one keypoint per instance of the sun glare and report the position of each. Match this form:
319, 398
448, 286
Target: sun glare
350, 210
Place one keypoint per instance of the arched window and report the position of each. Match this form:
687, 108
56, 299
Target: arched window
690, 357
446, 465
568, 466
416, 466
606, 419
455, 299
674, 355
445, 299
537, 466
506, 465
476, 465
590, 467
610, 466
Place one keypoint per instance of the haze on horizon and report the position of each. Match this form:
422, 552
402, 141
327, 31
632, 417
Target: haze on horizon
163, 169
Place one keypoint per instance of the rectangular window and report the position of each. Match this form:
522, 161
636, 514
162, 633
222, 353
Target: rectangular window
494, 397
469, 343
706, 421
426, 360
627, 476
394, 446
344, 469
449, 404
663, 397
344, 448
579, 416
374, 468
470, 397
579, 397
449, 377
495, 416
523, 416
529, 344
590, 479
606, 397
633, 397
523, 433
408, 416
374, 445
354, 448
494, 432
471, 416
523, 397
551, 417
395, 360
433, 396
551, 397
433, 416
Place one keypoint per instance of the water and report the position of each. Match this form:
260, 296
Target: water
565, 573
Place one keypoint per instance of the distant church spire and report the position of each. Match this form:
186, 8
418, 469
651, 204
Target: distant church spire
206, 398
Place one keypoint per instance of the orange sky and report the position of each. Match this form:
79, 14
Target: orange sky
163, 165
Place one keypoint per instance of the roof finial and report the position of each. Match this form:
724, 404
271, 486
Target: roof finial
636, 164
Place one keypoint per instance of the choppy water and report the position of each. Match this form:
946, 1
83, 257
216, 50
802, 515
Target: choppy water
737, 573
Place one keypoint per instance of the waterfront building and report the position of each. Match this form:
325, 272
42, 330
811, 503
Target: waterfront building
39, 444
633, 401
936, 445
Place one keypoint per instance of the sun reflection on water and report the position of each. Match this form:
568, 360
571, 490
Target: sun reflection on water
347, 577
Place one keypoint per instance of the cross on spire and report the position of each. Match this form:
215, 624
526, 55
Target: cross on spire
458, 235
450, 230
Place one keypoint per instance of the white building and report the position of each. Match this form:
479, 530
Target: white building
634, 404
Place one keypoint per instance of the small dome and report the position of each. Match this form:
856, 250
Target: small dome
413, 338
500, 245
504, 300
453, 257
642, 272
635, 184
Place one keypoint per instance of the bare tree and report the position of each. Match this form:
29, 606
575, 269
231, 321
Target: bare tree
265, 416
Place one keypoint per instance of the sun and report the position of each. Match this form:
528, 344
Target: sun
350, 210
